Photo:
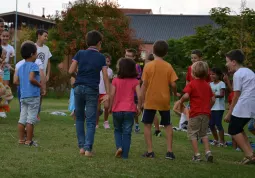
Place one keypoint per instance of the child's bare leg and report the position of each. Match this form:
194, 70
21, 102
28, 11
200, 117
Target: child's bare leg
206, 144
106, 113
221, 134
234, 144
243, 142
156, 123
21, 129
148, 137
214, 133
194, 146
169, 138
30, 131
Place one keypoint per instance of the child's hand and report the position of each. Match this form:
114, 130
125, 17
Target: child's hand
109, 110
43, 92
227, 118
105, 98
225, 78
138, 112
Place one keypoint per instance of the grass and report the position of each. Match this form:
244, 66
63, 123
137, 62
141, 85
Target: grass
57, 154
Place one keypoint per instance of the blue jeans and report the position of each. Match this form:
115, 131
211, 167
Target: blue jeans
123, 123
85, 97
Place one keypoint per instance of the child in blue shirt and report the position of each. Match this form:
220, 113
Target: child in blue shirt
28, 78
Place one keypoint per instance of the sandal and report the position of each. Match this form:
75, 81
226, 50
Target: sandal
22, 142
248, 160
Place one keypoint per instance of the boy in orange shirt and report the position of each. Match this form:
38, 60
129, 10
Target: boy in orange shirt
158, 76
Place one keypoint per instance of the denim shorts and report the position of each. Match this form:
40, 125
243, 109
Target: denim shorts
29, 110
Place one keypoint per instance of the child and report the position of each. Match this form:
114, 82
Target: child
28, 78
183, 112
158, 76
1, 26
102, 92
242, 107
131, 54
71, 106
89, 62
196, 55
123, 106
157, 132
201, 97
5, 37
217, 111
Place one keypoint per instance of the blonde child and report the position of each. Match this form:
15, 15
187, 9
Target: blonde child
201, 102
122, 105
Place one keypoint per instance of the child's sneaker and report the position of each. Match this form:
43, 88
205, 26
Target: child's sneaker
214, 143
106, 125
196, 158
170, 155
157, 133
137, 128
209, 157
32, 143
149, 155
222, 145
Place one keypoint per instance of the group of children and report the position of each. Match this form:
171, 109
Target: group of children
133, 91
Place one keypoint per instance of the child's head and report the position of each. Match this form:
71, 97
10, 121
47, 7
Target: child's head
199, 70
130, 53
216, 74
1, 25
42, 36
126, 68
196, 55
108, 59
5, 36
28, 51
160, 48
94, 38
234, 59
149, 58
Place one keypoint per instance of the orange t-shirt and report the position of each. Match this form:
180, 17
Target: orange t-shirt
158, 74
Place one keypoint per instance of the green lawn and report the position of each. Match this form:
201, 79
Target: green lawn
58, 155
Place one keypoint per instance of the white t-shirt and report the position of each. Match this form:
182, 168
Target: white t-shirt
44, 54
101, 84
37, 61
244, 81
219, 104
10, 52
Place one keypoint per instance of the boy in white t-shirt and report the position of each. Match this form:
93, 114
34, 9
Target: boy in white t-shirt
242, 108
102, 93
5, 37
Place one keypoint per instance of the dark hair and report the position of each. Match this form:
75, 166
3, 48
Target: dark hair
197, 52
93, 38
218, 72
160, 48
28, 49
131, 50
126, 68
236, 55
106, 55
150, 57
40, 32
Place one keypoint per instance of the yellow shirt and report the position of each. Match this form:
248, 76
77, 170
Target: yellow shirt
158, 74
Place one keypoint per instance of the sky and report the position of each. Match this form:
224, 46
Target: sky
185, 7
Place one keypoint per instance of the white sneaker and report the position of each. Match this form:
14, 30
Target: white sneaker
3, 115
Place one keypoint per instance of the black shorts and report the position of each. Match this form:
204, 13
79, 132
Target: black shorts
149, 114
237, 124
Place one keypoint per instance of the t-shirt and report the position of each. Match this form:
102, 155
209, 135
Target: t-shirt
200, 94
101, 84
219, 102
158, 74
37, 62
189, 77
44, 54
244, 81
10, 52
124, 95
27, 89
90, 63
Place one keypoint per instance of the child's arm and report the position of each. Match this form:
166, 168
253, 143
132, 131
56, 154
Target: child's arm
138, 93
73, 68
33, 80
174, 89
143, 91
48, 70
234, 101
16, 78
106, 80
227, 81
213, 101
43, 82
112, 95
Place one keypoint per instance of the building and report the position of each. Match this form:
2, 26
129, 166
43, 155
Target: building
136, 11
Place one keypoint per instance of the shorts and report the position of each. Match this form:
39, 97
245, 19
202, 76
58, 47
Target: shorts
29, 110
197, 127
237, 124
149, 114
7, 75
136, 99
251, 125
100, 98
